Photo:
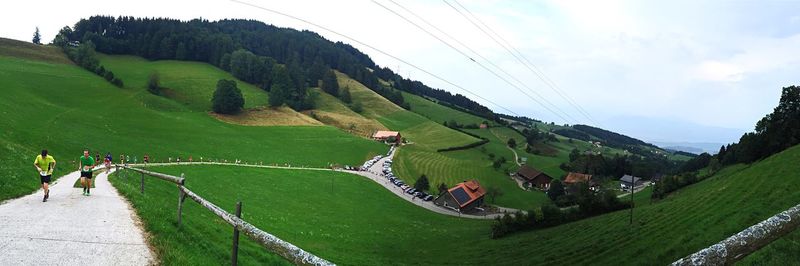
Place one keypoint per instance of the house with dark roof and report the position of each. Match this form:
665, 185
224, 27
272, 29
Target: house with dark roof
532, 177
464, 197
628, 181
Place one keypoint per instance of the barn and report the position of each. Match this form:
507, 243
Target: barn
383, 135
531, 177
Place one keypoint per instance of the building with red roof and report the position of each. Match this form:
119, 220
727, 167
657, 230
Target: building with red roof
464, 197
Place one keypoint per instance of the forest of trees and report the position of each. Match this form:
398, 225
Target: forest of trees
612, 139
574, 134
774, 133
249, 49
617, 165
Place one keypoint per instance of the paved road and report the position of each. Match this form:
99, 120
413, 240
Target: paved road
71, 229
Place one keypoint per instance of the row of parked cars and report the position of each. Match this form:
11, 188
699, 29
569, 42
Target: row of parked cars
387, 172
371, 162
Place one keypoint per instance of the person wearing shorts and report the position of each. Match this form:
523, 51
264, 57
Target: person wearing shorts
87, 164
108, 161
45, 164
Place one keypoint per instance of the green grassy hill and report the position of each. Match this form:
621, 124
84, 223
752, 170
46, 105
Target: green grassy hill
191, 84
64, 108
440, 113
334, 112
368, 225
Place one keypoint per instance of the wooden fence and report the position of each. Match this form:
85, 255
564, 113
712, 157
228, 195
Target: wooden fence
269, 241
753, 238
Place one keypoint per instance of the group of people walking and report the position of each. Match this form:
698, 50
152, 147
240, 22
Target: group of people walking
45, 164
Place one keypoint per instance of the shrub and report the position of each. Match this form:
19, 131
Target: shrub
154, 83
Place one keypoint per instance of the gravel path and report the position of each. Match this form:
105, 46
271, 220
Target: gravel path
72, 229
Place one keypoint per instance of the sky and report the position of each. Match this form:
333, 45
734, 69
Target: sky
674, 71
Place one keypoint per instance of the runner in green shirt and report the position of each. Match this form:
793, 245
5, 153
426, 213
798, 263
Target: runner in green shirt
87, 164
45, 164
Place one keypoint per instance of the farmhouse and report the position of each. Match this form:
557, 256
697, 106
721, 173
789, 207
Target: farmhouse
533, 178
464, 197
628, 181
387, 136
573, 178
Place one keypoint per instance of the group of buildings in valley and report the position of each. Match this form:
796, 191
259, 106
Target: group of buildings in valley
468, 196
533, 178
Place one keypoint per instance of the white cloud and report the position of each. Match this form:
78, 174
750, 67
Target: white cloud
718, 71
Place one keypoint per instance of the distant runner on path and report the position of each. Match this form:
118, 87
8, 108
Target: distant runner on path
87, 163
45, 164
107, 161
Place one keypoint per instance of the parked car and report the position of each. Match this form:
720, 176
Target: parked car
428, 198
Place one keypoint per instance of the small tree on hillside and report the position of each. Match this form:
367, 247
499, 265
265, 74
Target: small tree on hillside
494, 192
281, 84
109, 76
512, 143
442, 188
117, 82
154, 83
357, 107
329, 83
344, 95
227, 98
556, 189
37, 38
422, 183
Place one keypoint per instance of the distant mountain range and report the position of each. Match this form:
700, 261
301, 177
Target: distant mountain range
691, 147
674, 132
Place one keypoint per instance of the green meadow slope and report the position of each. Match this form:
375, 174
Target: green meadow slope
440, 113
61, 107
368, 225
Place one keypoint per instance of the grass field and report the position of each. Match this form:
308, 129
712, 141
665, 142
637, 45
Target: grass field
374, 105
439, 113
64, 109
341, 217
334, 112
189, 83
356, 230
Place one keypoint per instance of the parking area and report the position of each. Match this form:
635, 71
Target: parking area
379, 169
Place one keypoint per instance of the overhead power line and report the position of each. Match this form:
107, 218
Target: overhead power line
484, 67
521, 58
376, 49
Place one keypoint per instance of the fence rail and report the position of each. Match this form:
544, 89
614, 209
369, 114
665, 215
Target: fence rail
284, 249
745, 242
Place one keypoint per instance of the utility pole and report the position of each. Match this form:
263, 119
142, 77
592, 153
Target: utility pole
631, 188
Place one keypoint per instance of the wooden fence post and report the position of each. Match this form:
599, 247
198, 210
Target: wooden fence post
181, 198
235, 252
